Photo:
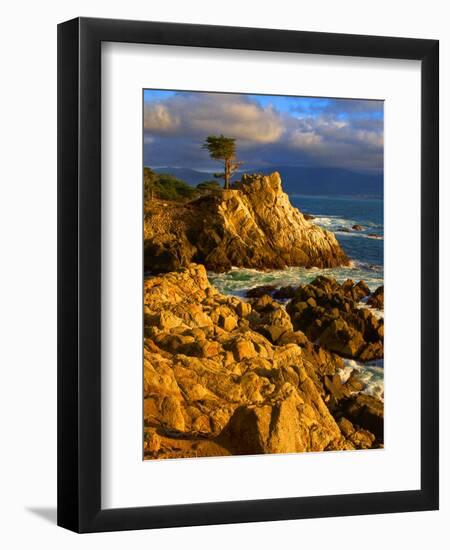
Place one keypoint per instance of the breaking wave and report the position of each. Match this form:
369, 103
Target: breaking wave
370, 374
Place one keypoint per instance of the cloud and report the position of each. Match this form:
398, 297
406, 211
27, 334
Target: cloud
316, 132
305, 139
160, 119
198, 115
327, 139
372, 139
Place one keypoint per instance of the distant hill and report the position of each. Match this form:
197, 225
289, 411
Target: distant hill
330, 181
304, 180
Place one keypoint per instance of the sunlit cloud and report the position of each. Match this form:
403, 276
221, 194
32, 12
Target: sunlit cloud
160, 119
200, 114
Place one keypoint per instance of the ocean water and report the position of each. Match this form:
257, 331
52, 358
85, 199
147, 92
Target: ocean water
340, 214
371, 374
364, 248
337, 214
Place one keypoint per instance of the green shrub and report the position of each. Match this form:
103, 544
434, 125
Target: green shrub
166, 187
209, 185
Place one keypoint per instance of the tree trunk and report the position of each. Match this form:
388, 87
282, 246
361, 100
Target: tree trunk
227, 173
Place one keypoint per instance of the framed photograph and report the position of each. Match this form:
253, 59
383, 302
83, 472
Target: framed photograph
247, 276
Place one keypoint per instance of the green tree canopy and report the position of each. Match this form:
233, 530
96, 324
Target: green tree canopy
224, 149
166, 187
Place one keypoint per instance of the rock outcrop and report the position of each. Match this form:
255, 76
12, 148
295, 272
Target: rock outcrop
252, 225
376, 299
329, 314
224, 376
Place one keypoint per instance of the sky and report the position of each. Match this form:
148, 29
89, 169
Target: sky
270, 131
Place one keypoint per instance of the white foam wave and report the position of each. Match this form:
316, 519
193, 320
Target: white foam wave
238, 281
344, 226
370, 374
360, 235
378, 313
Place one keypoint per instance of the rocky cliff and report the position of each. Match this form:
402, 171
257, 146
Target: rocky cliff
252, 225
225, 376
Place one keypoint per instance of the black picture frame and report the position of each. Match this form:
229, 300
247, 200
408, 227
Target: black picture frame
79, 274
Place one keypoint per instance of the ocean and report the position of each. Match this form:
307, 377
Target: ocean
364, 247
337, 214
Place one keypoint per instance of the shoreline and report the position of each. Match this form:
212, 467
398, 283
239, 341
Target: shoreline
237, 280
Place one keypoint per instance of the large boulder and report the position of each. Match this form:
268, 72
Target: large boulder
342, 339
296, 421
260, 290
376, 299
365, 411
272, 320
361, 439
